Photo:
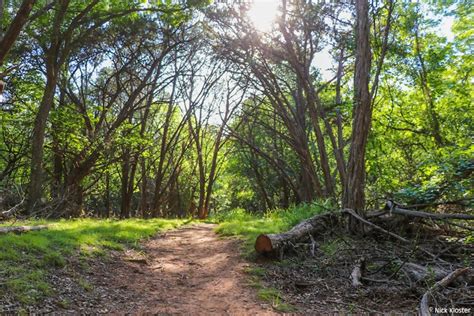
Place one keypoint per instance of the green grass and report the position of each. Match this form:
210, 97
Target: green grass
246, 226
268, 294
274, 297
27, 259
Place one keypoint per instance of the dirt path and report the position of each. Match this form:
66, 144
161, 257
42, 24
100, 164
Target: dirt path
189, 271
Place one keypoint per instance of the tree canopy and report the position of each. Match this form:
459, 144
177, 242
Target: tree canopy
177, 108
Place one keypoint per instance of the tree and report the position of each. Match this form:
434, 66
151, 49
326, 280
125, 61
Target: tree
354, 195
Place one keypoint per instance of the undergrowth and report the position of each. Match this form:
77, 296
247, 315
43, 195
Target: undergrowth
27, 259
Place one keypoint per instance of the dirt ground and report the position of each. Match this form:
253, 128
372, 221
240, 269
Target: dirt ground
188, 271
192, 271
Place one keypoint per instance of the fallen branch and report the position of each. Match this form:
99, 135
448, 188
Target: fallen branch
355, 215
11, 212
398, 237
462, 202
394, 209
425, 300
137, 260
21, 229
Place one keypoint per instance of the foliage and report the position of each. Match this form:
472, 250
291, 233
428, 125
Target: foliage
119, 142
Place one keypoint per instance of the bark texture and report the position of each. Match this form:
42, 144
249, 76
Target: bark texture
354, 197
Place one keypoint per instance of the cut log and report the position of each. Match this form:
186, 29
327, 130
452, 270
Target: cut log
425, 300
273, 243
21, 229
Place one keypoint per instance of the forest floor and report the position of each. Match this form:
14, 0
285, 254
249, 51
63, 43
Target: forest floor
188, 271
192, 270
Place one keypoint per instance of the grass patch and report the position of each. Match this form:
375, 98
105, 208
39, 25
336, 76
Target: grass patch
274, 297
256, 271
247, 226
267, 294
26, 259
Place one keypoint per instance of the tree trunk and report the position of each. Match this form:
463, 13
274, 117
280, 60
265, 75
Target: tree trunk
56, 185
260, 181
35, 190
354, 197
7, 41
107, 195
125, 196
143, 208
431, 111
73, 199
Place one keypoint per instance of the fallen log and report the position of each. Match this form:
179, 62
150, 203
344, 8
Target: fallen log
274, 243
21, 229
394, 209
425, 300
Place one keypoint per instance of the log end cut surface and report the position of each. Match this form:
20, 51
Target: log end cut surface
263, 244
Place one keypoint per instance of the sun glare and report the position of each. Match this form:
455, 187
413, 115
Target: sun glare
262, 14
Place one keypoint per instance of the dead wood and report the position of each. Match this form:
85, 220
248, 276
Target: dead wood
312, 248
21, 229
425, 300
418, 273
357, 273
394, 209
273, 243
137, 260
11, 212
460, 202
355, 215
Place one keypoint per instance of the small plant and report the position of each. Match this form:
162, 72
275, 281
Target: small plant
54, 259
274, 297
85, 284
255, 271
64, 303
330, 248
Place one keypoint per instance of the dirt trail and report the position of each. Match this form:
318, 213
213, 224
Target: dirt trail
189, 271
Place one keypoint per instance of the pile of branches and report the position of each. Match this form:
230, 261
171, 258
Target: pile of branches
433, 256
